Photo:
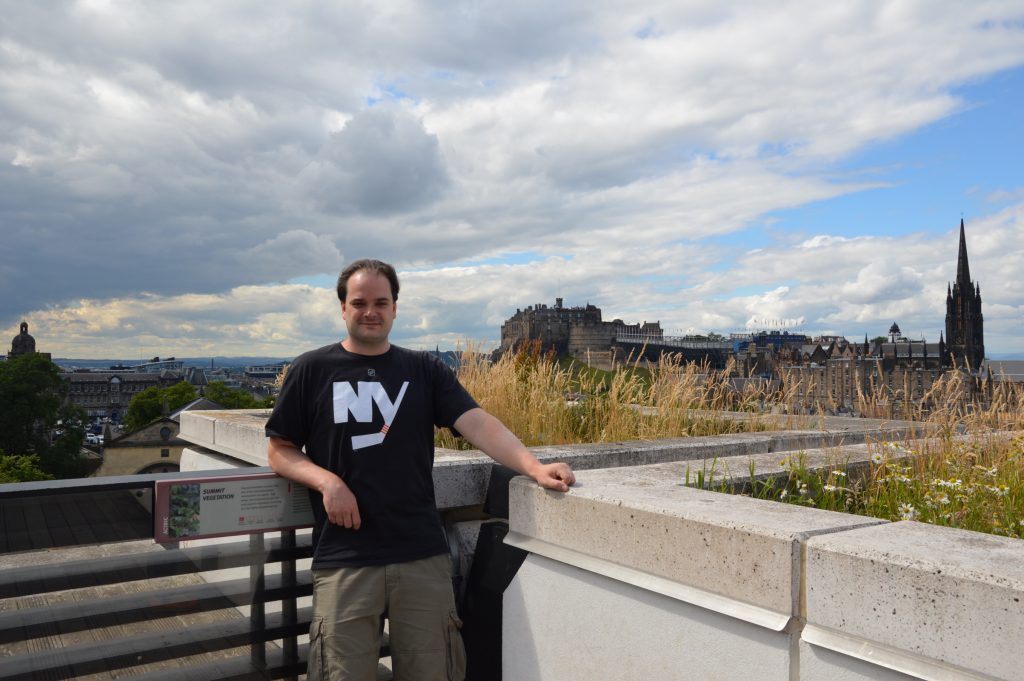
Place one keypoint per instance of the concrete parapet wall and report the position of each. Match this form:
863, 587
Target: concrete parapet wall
922, 599
736, 547
810, 594
237, 433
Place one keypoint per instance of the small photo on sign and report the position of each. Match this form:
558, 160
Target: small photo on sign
183, 511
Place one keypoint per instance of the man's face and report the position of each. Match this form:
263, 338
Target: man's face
368, 311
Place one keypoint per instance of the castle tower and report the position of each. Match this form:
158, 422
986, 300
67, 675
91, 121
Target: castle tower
965, 338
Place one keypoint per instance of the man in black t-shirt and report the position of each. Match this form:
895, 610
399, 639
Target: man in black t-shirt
364, 411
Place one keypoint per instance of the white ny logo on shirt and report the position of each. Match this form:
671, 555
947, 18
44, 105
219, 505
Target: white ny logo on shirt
359, 403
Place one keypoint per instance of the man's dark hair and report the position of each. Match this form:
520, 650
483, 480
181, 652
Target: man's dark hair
367, 265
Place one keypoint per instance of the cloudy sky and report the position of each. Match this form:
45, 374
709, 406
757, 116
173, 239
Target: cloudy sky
186, 178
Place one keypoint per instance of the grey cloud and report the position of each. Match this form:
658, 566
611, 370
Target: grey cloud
382, 162
293, 253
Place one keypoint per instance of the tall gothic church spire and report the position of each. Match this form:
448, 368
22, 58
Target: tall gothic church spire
963, 270
965, 338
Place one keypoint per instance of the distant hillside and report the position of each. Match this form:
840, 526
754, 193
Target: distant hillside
218, 362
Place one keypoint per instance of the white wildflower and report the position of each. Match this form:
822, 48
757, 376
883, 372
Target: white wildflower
999, 490
907, 512
877, 458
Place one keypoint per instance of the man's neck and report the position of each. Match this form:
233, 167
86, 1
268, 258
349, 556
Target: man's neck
358, 348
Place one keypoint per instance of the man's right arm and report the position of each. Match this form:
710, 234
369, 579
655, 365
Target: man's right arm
288, 461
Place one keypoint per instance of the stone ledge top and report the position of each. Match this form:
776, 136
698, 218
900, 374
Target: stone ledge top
659, 490
644, 518
950, 595
955, 553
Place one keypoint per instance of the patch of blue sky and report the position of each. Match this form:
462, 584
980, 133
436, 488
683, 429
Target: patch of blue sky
750, 238
390, 92
724, 264
752, 290
933, 175
515, 258
648, 30
662, 283
730, 247
775, 148
316, 280
512, 258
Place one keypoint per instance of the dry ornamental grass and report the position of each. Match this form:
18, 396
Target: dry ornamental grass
970, 476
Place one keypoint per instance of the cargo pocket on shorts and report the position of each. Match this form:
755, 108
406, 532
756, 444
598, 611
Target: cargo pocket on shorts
456, 649
316, 670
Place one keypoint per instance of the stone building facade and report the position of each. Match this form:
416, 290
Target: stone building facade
578, 332
861, 384
107, 393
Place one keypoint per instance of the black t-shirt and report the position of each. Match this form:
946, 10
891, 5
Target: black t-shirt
370, 419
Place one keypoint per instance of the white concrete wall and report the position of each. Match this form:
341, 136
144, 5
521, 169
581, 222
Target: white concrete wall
562, 622
632, 576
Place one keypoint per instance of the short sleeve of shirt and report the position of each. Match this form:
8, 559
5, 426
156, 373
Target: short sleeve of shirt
451, 399
290, 416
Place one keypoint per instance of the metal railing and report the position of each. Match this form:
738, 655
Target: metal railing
150, 613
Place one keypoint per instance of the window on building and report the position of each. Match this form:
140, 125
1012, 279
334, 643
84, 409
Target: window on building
165, 453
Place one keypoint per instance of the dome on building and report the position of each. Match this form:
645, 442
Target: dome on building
895, 328
23, 343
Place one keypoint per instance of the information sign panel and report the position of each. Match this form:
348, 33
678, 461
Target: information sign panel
219, 506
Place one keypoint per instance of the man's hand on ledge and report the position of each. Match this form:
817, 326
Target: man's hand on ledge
556, 476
